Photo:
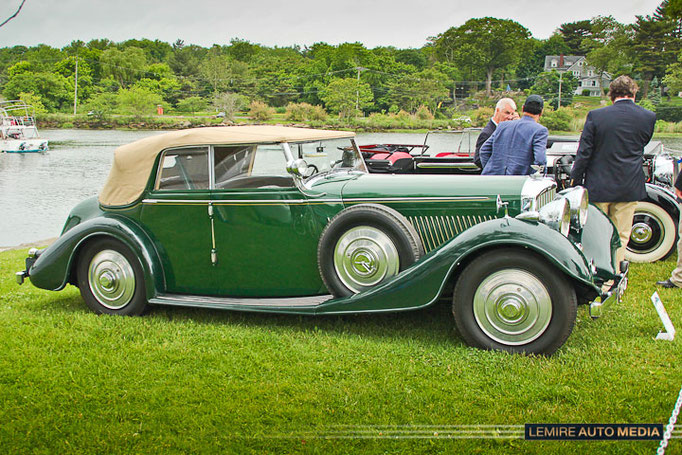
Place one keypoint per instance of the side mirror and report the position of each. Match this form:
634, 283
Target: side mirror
297, 168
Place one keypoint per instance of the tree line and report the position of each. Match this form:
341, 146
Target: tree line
484, 56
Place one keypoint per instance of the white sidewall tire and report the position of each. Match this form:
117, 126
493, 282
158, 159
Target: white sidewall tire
667, 244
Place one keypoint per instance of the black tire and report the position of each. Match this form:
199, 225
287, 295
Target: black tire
110, 279
364, 245
654, 234
514, 300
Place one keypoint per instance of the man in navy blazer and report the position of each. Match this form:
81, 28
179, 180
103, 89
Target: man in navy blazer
610, 154
517, 144
504, 110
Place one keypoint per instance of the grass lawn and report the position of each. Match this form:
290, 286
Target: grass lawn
197, 381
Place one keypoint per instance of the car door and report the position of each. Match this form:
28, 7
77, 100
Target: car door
265, 234
176, 215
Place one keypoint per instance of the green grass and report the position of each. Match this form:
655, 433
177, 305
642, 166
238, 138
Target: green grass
197, 381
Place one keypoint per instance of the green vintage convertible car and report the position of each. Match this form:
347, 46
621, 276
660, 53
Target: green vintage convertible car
278, 219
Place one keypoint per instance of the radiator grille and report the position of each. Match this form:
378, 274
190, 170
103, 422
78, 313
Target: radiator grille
436, 230
545, 197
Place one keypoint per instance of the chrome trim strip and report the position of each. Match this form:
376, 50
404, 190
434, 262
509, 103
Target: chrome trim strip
316, 201
225, 302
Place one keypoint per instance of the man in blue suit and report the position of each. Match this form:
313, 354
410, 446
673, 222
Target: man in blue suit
610, 154
517, 144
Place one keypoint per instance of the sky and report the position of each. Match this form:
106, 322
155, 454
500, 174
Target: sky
398, 23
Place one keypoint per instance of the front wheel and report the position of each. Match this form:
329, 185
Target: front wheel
653, 236
513, 300
110, 279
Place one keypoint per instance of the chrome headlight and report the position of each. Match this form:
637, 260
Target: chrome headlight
557, 215
578, 202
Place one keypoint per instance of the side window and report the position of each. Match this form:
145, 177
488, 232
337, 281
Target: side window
184, 169
255, 166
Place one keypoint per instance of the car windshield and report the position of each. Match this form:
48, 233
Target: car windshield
327, 155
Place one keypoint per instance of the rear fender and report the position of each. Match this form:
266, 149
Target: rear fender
663, 198
56, 265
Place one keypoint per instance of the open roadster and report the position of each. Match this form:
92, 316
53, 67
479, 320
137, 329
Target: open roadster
654, 231
276, 219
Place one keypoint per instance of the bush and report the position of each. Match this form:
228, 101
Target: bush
481, 116
668, 112
423, 113
300, 112
559, 120
260, 111
585, 92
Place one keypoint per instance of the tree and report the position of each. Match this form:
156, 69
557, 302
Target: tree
54, 90
424, 88
655, 46
534, 61
229, 103
347, 96
125, 67
547, 86
138, 101
483, 46
574, 33
192, 104
608, 46
101, 105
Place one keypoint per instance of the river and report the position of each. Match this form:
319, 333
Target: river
37, 190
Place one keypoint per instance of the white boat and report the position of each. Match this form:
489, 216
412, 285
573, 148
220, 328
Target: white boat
18, 131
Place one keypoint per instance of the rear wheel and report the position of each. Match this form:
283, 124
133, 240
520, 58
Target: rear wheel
513, 300
110, 279
653, 236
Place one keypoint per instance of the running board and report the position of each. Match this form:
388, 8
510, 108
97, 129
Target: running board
240, 303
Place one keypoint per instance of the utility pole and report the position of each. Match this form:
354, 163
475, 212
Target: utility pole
357, 90
75, 91
560, 80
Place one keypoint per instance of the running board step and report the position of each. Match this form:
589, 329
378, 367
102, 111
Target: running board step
224, 303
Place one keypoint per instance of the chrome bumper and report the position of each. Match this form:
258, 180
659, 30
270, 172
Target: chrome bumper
33, 254
614, 294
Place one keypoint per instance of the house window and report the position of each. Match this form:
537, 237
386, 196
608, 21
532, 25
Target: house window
590, 73
554, 63
594, 83
576, 73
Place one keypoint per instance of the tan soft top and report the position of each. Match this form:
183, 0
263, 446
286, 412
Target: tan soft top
133, 162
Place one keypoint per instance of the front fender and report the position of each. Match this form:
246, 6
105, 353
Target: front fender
53, 268
422, 284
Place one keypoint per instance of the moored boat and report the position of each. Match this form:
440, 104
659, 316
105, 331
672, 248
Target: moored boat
18, 131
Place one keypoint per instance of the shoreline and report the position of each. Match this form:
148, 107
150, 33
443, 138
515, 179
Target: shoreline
37, 243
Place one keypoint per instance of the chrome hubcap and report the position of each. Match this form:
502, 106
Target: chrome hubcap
512, 307
364, 256
111, 279
641, 233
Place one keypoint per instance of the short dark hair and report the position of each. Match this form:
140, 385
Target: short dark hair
533, 105
622, 86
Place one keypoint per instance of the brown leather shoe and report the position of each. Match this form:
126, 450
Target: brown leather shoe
667, 284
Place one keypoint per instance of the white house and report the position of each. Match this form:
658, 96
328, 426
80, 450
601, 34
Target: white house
589, 79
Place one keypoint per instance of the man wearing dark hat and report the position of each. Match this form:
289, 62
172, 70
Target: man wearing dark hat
517, 144
610, 154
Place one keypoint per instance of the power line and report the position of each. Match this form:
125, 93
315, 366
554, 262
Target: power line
15, 14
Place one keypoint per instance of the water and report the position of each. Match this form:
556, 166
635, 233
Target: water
37, 191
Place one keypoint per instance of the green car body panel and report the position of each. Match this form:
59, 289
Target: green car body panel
416, 287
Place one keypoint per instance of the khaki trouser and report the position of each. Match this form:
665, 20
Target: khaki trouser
676, 276
621, 213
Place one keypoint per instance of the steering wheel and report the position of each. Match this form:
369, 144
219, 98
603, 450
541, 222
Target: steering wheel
314, 168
